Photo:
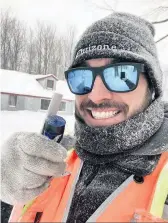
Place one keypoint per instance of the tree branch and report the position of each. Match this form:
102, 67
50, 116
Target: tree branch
161, 21
103, 8
161, 38
106, 6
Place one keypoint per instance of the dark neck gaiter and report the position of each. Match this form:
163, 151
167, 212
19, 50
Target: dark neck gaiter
117, 144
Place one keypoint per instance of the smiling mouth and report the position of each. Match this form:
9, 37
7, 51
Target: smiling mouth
103, 114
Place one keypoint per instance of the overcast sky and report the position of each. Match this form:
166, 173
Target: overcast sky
82, 13
78, 12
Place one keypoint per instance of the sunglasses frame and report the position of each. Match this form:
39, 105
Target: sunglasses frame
98, 71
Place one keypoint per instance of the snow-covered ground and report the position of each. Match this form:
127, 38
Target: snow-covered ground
15, 121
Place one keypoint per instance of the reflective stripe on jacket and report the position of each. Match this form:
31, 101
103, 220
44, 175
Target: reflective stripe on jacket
131, 202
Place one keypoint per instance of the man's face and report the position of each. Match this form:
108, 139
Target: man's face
102, 107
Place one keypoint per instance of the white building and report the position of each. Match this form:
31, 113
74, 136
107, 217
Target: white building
22, 91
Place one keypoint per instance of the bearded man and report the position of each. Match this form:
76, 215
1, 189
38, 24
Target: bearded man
117, 171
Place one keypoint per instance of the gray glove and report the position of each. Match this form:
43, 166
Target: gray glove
28, 162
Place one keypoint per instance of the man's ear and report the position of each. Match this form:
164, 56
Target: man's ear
152, 90
153, 95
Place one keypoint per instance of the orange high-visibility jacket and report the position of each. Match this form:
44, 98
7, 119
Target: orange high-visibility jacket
131, 202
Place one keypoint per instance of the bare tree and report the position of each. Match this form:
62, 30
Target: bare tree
45, 40
6, 27
49, 39
40, 50
161, 21
68, 45
56, 58
154, 13
12, 41
44, 51
157, 12
58, 51
112, 7
17, 45
38, 43
164, 37
30, 54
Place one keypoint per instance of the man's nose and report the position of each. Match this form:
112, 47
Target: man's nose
99, 91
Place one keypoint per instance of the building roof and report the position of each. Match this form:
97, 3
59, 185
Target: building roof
26, 84
41, 76
62, 88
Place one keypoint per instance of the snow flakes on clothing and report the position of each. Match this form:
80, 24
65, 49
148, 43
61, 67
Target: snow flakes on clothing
103, 144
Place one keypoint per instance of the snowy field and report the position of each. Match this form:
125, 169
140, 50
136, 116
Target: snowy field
15, 121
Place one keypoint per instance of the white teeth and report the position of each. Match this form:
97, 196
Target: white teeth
103, 115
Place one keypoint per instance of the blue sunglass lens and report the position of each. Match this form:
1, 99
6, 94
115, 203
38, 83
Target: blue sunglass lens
80, 81
122, 78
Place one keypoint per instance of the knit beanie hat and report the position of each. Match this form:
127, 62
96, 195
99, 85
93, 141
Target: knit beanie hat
123, 36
